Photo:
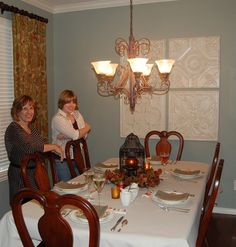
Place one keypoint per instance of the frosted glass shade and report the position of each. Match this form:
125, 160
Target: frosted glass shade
138, 64
111, 69
148, 69
165, 65
101, 66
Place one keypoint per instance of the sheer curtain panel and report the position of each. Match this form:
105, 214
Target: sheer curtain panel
6, 88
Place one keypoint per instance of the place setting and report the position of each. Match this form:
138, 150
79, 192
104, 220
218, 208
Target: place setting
110, 164
169, 200
103, 211
191, 175
162, 159
70, 187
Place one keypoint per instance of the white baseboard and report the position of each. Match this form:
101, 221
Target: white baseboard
220, 210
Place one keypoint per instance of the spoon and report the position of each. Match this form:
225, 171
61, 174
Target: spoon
124, 222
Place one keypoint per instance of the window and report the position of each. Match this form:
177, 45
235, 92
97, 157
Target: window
6, 88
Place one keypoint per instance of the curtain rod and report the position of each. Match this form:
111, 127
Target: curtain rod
5, 7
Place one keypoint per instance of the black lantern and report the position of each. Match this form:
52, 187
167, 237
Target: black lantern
131, 155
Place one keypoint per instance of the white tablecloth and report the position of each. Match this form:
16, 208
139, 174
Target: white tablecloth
148, 225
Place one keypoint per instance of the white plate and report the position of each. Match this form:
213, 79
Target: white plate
70, 191
75, 217
153, 162
170, 202
106, 166
187, 176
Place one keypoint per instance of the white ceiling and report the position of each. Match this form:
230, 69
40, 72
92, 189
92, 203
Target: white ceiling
60, 6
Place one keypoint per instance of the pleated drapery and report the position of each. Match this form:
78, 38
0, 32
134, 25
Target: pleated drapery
29, 56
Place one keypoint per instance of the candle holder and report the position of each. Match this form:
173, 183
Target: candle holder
147, 166
115, 192
131, 166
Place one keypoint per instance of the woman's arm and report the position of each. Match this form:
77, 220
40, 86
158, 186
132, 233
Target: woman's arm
64, 127
54, 147
85, 130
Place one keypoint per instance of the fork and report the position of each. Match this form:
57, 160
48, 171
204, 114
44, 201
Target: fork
167, 209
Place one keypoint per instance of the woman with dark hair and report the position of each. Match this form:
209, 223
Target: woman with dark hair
67, 124
21, 139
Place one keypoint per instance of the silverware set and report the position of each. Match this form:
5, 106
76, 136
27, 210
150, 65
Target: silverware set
178, 209
117, 223
123, 222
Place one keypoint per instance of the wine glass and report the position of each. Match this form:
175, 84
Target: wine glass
89, 179
164, 157
99, 182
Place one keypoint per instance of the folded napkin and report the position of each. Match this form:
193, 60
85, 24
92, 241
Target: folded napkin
67, 185
101, 211
187, 172
171, 196
106, 165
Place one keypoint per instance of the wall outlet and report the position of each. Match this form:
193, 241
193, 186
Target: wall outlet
234, 184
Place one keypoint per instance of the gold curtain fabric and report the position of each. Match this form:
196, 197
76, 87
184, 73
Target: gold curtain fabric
29, 52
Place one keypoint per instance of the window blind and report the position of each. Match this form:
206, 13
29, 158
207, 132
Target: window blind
6, 88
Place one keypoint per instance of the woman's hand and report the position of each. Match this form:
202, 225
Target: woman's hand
58, 149
55, 148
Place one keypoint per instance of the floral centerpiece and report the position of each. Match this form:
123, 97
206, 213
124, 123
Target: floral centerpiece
144, 178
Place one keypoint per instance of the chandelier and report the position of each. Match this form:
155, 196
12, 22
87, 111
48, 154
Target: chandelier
130, 79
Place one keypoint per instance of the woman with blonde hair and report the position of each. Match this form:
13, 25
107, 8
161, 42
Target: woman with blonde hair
67, 124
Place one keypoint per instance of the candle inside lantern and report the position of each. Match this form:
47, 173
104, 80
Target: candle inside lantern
131, 161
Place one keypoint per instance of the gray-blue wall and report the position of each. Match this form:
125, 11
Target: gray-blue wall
77, 38
82, 37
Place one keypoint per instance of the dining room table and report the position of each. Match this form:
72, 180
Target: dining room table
150, 220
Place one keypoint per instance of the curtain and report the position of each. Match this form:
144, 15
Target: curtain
29, 58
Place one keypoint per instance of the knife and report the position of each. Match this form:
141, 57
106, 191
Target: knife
117, 223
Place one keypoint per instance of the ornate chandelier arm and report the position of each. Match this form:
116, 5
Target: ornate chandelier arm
121, 47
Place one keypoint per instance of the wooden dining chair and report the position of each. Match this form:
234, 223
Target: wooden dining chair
40, 174
53, 228
163, 145
207, 214
80, 152
212, 173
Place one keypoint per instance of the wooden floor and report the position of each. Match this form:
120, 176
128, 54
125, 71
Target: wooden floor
222, 231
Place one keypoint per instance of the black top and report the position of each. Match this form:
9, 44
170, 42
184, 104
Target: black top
19, 143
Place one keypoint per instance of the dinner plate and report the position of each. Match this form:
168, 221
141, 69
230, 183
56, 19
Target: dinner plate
154, 160
187, 174
170, 197
78, 217
106, 166
69, 188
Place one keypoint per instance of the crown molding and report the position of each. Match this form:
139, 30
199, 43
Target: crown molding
70, 7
